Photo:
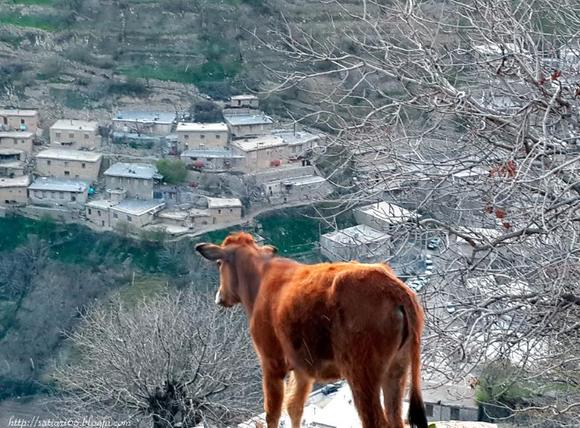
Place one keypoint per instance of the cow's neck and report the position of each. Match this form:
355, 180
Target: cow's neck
250, 277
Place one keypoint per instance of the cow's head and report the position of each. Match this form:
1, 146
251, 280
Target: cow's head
237, 258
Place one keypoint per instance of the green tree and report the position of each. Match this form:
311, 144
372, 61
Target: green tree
172, 170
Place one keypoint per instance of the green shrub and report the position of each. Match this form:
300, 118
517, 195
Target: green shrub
173, 171
206, 112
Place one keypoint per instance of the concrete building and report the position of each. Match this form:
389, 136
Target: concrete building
213, 160
260, 153
19, 120
200, 136
136, 212
75, 134
300, 143
69, 163
359, 242
383, 216
137, 179
12, 162
224, 210
241, 101
13, 191
144, 122
57, 192
199, 217
247, 124
17, 140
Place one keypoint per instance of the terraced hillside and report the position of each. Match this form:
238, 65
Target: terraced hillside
65, 56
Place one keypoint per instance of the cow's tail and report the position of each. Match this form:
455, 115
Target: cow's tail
414, 317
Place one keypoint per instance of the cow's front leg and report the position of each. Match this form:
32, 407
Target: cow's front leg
273, 384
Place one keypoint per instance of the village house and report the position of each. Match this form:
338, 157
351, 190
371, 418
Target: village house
384, 216
241, 101
144, 122
13, 191
260, 153
137, 179
69, 163
75, 134
212, 160
12, 162
359, 242
19, 120
97, 212
300, 143
294, 189
17, 140
244, 124
58, 192
136, 212
200, 136
224, 210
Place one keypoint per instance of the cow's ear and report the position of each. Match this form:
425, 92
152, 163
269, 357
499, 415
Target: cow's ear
210, 251
273, 249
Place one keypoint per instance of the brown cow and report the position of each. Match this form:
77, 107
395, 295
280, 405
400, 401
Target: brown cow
325, 321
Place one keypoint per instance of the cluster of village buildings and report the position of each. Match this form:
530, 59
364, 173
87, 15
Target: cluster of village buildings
73, 177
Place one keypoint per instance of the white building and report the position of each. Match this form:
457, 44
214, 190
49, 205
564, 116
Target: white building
384, 216
199, 136
261, 152
144, 122
75, 134
248, 123
57, 192
359, 242
13, 191
136, 178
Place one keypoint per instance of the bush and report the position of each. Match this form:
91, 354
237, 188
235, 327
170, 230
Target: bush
173, 171
206, 112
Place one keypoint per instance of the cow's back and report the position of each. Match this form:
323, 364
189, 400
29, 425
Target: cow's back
317, 312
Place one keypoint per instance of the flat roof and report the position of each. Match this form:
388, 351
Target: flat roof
18, 112
23, 181
258, 143
211, 153
174, 214
388, 212
244, 97
304, 180
201, 127
298, 137
70, 154
11, 152
223, 202
16, 134
133, 170
75, 125
248, 119
359, 234
138, 206
145, 117
100, 203
196, 212
49, 183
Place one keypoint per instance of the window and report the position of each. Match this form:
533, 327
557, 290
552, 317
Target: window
67, 173
429, 410
231, 210
86, 136
99, 213
219, 211
115, 215
48, 162
202, 136
129, 218
65, 163
57, 135
186, 136
22, 122
73, 198
454, 414
71, 135
102, 222
83, 165
218, 136
5, 120
90, 211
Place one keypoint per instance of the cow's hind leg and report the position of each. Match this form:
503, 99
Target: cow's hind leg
394, 382
273, 386
366, 389
298, 388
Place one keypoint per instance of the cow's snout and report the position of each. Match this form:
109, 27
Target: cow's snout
218, 299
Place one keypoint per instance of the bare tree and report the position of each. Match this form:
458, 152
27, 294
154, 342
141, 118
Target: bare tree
174, 361
467, 112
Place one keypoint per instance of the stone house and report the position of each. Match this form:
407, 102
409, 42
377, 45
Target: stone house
359, 242
138, 179
144, 122
69, 163
13, 191
201, 136
75, 134
134, 212
245, 124
224, 210
243, 101
12, 162
261, 153
17, 141
383, 216
212, 160
58, 192
19, 120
